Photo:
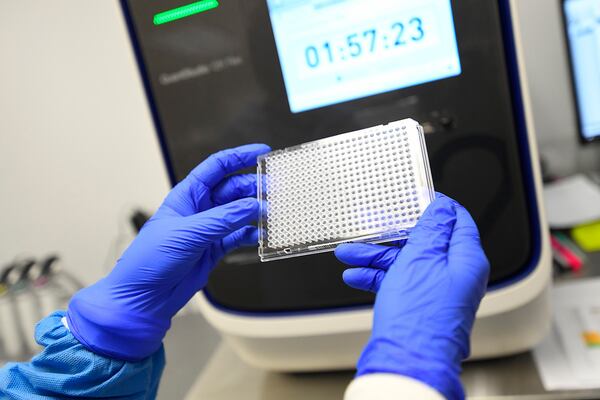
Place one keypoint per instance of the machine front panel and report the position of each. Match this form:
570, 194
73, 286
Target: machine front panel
285, 72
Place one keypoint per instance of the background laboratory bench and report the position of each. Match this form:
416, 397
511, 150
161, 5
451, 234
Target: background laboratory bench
201, 366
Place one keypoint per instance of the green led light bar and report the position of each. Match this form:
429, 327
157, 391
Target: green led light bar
185, 11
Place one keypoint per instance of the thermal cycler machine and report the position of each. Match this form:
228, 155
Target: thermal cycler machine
223, 73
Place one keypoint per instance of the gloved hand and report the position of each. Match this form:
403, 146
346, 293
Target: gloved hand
427, 295
126, 314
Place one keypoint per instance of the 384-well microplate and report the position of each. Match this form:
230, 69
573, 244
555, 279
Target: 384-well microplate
370, 185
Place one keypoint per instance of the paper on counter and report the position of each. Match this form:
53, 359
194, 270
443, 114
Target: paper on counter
584, 360
568, 359
572, 201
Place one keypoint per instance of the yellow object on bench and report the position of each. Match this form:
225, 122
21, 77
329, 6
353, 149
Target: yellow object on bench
587, 236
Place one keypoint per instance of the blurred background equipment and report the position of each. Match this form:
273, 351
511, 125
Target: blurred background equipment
582, 25
30, 289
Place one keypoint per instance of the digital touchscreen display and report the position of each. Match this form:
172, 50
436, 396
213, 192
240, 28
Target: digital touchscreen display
583, 28
332, 51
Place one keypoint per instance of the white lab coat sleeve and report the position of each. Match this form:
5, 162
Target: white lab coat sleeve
389, 387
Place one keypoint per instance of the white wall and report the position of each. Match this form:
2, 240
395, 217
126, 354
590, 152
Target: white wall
77, 146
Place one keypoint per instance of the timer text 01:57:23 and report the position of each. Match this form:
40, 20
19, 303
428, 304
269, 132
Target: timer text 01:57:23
370, 41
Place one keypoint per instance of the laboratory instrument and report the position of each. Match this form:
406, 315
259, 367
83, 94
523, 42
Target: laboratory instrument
285, 72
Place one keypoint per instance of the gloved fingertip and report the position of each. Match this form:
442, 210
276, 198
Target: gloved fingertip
262, 147
265, 148
444, 197
342, 249
347, 275
439, 195
367, 254
442, 209
353, 278
367, 279
347, 252
254, 149
435, 225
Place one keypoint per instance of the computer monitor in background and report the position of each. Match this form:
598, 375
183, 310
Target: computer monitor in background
582, 25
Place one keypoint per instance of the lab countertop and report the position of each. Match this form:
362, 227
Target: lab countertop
226, 377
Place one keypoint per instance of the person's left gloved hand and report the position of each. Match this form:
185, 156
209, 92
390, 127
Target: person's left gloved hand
126, 315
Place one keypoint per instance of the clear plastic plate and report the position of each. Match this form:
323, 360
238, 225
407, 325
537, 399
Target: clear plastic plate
370, 185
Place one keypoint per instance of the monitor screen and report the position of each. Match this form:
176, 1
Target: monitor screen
582, 19
326, 59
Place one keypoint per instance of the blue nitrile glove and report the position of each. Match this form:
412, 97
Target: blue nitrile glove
427, 295
126, 314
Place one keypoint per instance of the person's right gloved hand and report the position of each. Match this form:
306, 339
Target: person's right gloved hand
427, 295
